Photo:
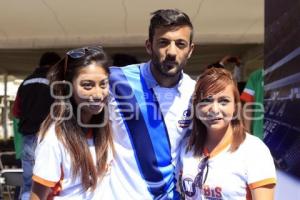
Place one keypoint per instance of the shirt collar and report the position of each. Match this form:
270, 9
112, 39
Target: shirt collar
152, 83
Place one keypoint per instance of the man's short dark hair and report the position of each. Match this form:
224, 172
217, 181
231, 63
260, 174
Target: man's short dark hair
49, 59
169, 18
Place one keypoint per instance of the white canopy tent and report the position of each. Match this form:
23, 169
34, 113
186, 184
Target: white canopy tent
27, 28
34, 24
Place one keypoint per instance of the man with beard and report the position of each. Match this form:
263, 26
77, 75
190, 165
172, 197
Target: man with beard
150, 111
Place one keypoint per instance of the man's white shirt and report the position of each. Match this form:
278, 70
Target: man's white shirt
126, 179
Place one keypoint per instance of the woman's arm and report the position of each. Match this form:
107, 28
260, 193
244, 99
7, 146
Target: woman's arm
39, 191
263, 193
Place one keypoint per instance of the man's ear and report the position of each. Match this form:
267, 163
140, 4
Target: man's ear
148, 47
191, 50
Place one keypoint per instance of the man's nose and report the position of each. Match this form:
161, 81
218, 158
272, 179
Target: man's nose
172, 50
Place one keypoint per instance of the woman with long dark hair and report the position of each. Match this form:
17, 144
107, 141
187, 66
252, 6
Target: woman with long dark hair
220, 160
75, 144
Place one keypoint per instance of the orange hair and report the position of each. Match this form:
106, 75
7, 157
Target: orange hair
212, 81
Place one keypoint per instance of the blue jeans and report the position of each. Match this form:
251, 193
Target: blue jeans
27, 158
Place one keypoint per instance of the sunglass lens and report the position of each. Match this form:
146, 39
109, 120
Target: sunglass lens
77, 53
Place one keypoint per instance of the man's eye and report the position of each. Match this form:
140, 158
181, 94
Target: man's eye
163, 43
181, 45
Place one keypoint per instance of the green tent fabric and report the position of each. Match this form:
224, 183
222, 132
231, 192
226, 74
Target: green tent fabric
18, 139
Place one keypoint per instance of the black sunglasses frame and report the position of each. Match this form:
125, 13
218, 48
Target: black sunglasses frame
199, 181
80, 52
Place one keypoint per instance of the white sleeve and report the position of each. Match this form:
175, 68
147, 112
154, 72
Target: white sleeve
260, 165
48, 159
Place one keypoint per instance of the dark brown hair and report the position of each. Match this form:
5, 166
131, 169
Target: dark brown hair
212, 81
169, 18
68, 130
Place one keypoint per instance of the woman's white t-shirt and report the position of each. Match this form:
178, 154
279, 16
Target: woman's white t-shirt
230, 175
52, 168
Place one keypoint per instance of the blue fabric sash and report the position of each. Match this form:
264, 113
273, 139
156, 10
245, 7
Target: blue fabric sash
146, 128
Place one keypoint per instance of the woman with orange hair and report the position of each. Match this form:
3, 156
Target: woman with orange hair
219, 159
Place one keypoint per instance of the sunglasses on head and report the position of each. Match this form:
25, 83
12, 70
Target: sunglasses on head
200, 179
78, 53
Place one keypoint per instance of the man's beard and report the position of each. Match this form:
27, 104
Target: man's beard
165, 70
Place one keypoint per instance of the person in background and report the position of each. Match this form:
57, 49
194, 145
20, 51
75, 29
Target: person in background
75, 147
252, 97
150, 110
236, 61
18, 139
31, 106
220, 160
225, 62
